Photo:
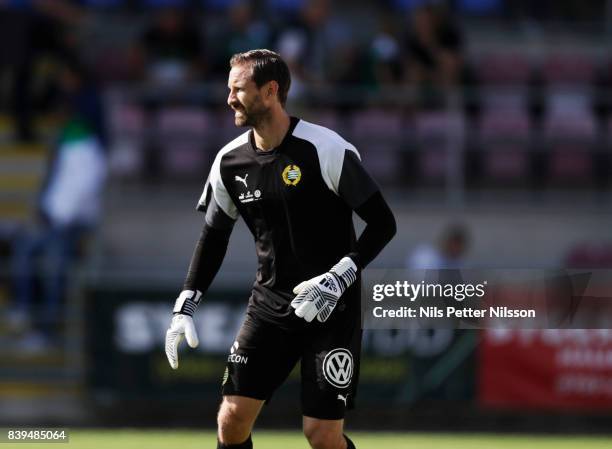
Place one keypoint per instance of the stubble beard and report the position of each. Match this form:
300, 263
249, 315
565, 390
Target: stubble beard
253, 116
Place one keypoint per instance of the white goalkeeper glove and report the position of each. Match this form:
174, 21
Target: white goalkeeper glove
319, 295
182, 325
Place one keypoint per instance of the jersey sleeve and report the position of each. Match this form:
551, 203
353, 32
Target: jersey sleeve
221, 214
355, 185
215, 201
380, 229
207, 258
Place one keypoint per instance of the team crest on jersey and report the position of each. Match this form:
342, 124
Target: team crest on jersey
292, 175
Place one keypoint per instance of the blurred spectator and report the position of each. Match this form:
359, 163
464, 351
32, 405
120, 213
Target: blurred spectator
291, 46
385, 51
285, 8
69, 209
351, 72
480, 7
434, 52
315, 35
171, 49
29, 30
319, 49
569, 10
243, 32
448, 254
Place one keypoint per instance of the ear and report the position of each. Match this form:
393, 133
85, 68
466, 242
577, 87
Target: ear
271, 90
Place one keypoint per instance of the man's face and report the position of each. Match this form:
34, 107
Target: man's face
245, 98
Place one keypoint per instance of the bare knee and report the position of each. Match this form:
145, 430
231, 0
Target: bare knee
235, 421
321, 436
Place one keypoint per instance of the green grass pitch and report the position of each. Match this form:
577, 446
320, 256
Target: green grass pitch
158, 439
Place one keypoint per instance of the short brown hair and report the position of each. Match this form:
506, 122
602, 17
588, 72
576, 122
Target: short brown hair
266, 66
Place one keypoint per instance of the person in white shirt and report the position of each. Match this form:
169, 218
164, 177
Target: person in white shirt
68, 210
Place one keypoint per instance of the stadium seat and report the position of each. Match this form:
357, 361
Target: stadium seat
183, 135
185, 160
570, 117
112, 63
573, 68
504, 162
126, 120
436, 135
184, 122
378, 137
570, 165
433, 164
503, 68
609, 126
511, 98
227, 128
126, 123
578, 127
376, 123
328, 118
504, 136
126, 159
512, 123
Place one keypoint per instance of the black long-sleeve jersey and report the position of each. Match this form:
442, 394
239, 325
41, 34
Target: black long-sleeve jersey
297, 200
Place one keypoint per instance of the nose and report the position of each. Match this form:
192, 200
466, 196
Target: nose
231, 98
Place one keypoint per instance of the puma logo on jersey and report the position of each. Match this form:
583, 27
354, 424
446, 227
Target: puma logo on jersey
342, 398
242, 180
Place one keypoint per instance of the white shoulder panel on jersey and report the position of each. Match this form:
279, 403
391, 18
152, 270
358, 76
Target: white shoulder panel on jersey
330, 150
215, 182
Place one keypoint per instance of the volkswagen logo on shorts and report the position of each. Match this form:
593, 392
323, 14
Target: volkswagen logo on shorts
338, 367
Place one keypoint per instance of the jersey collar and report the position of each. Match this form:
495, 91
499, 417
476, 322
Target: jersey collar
293, 121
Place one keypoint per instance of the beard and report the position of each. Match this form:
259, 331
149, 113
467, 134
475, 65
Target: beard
250, 115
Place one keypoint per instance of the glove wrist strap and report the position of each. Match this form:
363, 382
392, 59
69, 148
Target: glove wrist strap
187, 302
346, 272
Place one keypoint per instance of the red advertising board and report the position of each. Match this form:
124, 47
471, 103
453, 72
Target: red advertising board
546, 369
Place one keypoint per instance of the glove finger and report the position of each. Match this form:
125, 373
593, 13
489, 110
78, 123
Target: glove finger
190, 334
311, 312
173, 339
298, 288
303, 308
299, 299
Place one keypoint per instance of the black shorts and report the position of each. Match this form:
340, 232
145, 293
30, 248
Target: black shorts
264, 354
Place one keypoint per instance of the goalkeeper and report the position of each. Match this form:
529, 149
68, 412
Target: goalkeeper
296, 185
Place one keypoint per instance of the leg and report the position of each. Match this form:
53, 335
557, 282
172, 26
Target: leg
237, 415
259, 361
330, 371
60, 254
325, 433
26, 248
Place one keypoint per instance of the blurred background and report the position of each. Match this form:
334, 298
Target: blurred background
486, 123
